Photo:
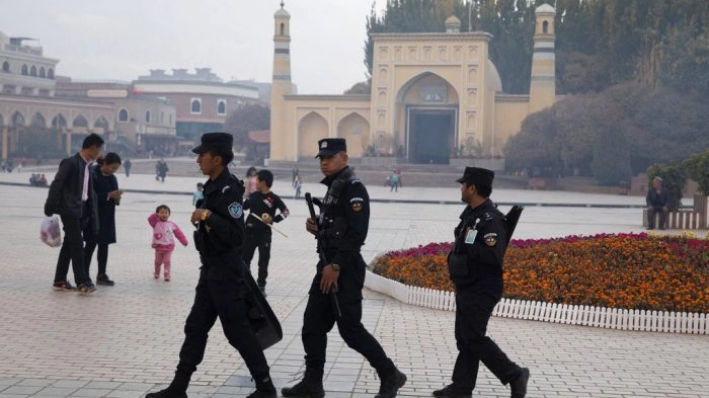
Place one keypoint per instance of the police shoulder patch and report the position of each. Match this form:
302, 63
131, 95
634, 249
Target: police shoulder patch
235, 210
356, 203
490, 239
488, 216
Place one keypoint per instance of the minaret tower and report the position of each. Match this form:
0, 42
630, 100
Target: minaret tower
280, 85
542, 87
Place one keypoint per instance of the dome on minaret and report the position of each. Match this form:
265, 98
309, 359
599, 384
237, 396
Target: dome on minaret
281, 13
545, 9
453, 24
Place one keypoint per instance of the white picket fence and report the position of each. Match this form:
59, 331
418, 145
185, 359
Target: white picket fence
610, 318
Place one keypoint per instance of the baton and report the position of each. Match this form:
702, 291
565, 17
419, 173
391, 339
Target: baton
333, 292
269, 225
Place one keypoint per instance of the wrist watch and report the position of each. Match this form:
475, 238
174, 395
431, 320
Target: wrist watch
335, 267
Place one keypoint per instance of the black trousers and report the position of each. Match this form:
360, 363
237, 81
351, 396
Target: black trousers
320, 317
72, 251
474, 305
261, 239
651, 217
101, 257
220, 293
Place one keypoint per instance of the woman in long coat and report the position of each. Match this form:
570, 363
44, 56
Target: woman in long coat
109, 196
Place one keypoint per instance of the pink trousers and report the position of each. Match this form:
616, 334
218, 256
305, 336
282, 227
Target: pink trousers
162, 257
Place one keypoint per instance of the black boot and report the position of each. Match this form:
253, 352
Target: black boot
264, 389
167, 393
176, 389
453, 391
309, 387
391, 381
519, 385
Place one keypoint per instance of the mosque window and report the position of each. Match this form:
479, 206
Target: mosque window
283, 28
6, 66
123, 115
147, 116
33, 71
42, 72
50, 73
221, 107
545, 27
24, 70
196, 106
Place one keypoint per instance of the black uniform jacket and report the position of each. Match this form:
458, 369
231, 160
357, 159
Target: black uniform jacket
64, 196
344, 221
219, 238
259, 203
480, 243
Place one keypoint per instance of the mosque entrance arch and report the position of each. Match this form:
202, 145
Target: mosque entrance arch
311, 128
427, 114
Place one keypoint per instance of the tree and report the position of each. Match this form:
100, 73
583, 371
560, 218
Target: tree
246, 118
611, 158
364, 87
697, 167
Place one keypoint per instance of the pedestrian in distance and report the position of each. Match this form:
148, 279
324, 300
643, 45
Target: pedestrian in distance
108, 197
335, 295
126, 166
198, 195
71, 196
221, 289
263, 205
298, 187
164, 234
475, 267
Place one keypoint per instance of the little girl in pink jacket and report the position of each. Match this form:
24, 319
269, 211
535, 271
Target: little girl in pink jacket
164, 233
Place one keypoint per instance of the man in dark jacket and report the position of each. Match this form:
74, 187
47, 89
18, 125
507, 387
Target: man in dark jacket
656, 200
341, 231
71, 196
475, 267
221, 287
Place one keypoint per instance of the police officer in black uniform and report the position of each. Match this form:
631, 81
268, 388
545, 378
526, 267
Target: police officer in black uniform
220, 290
341, 231
475, 267
262, 205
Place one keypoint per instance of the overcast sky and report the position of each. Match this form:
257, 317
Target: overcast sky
122, 39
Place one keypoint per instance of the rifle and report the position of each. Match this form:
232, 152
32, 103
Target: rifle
511, 220
333, 292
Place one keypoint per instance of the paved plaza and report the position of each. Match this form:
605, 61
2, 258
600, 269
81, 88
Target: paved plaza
124, 340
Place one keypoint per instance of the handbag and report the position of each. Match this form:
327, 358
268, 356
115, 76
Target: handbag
49, 232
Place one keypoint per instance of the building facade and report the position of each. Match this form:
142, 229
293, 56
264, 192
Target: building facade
434, 96
202, 100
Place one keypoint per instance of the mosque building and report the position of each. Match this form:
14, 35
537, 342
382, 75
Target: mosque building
434, 96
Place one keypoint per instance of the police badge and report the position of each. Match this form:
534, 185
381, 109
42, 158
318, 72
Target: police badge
490, 239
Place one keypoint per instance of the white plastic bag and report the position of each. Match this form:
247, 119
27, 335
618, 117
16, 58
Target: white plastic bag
49, 232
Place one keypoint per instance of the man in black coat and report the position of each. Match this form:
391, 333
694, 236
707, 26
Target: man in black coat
71, 196
341, 231
656, 200
475, 267
221, 287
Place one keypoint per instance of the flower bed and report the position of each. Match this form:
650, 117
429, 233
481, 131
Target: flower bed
635, 271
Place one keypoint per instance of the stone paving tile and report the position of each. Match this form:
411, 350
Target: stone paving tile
131, 333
